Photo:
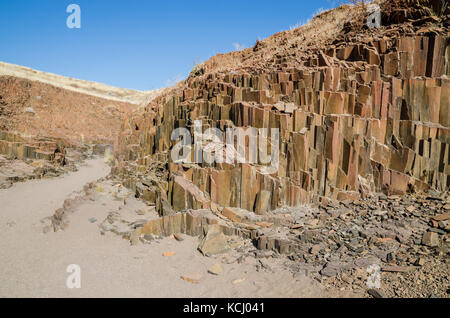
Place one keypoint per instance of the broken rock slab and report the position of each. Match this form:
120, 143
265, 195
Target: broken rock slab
214, 242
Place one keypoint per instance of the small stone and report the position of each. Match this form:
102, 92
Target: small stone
138, 224
264, 224
420, 261
178, 237
443, 224
194, 278
442, 217
92, 220
215, 269
438, 231
434, 223
140, 212
239, 280
376, 293
30, 110
330, 269
390, 257
430, 239
167, 254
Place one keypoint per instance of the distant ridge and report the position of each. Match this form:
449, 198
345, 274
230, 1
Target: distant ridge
80, 86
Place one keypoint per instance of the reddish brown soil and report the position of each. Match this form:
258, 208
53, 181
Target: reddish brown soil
32, 109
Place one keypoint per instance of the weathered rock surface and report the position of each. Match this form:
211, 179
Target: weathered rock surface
214, 242
367, 110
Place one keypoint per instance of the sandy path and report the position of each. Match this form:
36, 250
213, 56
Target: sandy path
34, 264
29, 259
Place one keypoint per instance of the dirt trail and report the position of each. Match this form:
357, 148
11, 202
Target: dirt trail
33, 264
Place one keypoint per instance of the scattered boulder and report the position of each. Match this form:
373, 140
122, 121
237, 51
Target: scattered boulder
214, 242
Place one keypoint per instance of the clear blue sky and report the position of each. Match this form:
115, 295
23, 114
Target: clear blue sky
139, 44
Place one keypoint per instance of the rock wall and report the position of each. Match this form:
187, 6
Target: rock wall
367, 112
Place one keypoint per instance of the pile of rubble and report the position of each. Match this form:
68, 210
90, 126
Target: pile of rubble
403, 241
405, 237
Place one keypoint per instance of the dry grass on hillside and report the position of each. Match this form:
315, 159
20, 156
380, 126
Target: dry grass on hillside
80, 86
325, 25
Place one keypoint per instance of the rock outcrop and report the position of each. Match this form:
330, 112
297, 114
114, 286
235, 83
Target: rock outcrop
367, 110
13, 145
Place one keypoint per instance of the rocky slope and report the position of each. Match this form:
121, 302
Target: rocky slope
358, 110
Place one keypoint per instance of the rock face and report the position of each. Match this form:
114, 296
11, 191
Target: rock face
365, 111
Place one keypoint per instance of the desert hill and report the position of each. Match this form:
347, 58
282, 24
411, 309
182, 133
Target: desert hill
77, 85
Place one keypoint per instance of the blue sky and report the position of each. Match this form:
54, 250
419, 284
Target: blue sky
139, 44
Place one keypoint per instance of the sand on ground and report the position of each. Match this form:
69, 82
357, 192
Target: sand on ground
34, 264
